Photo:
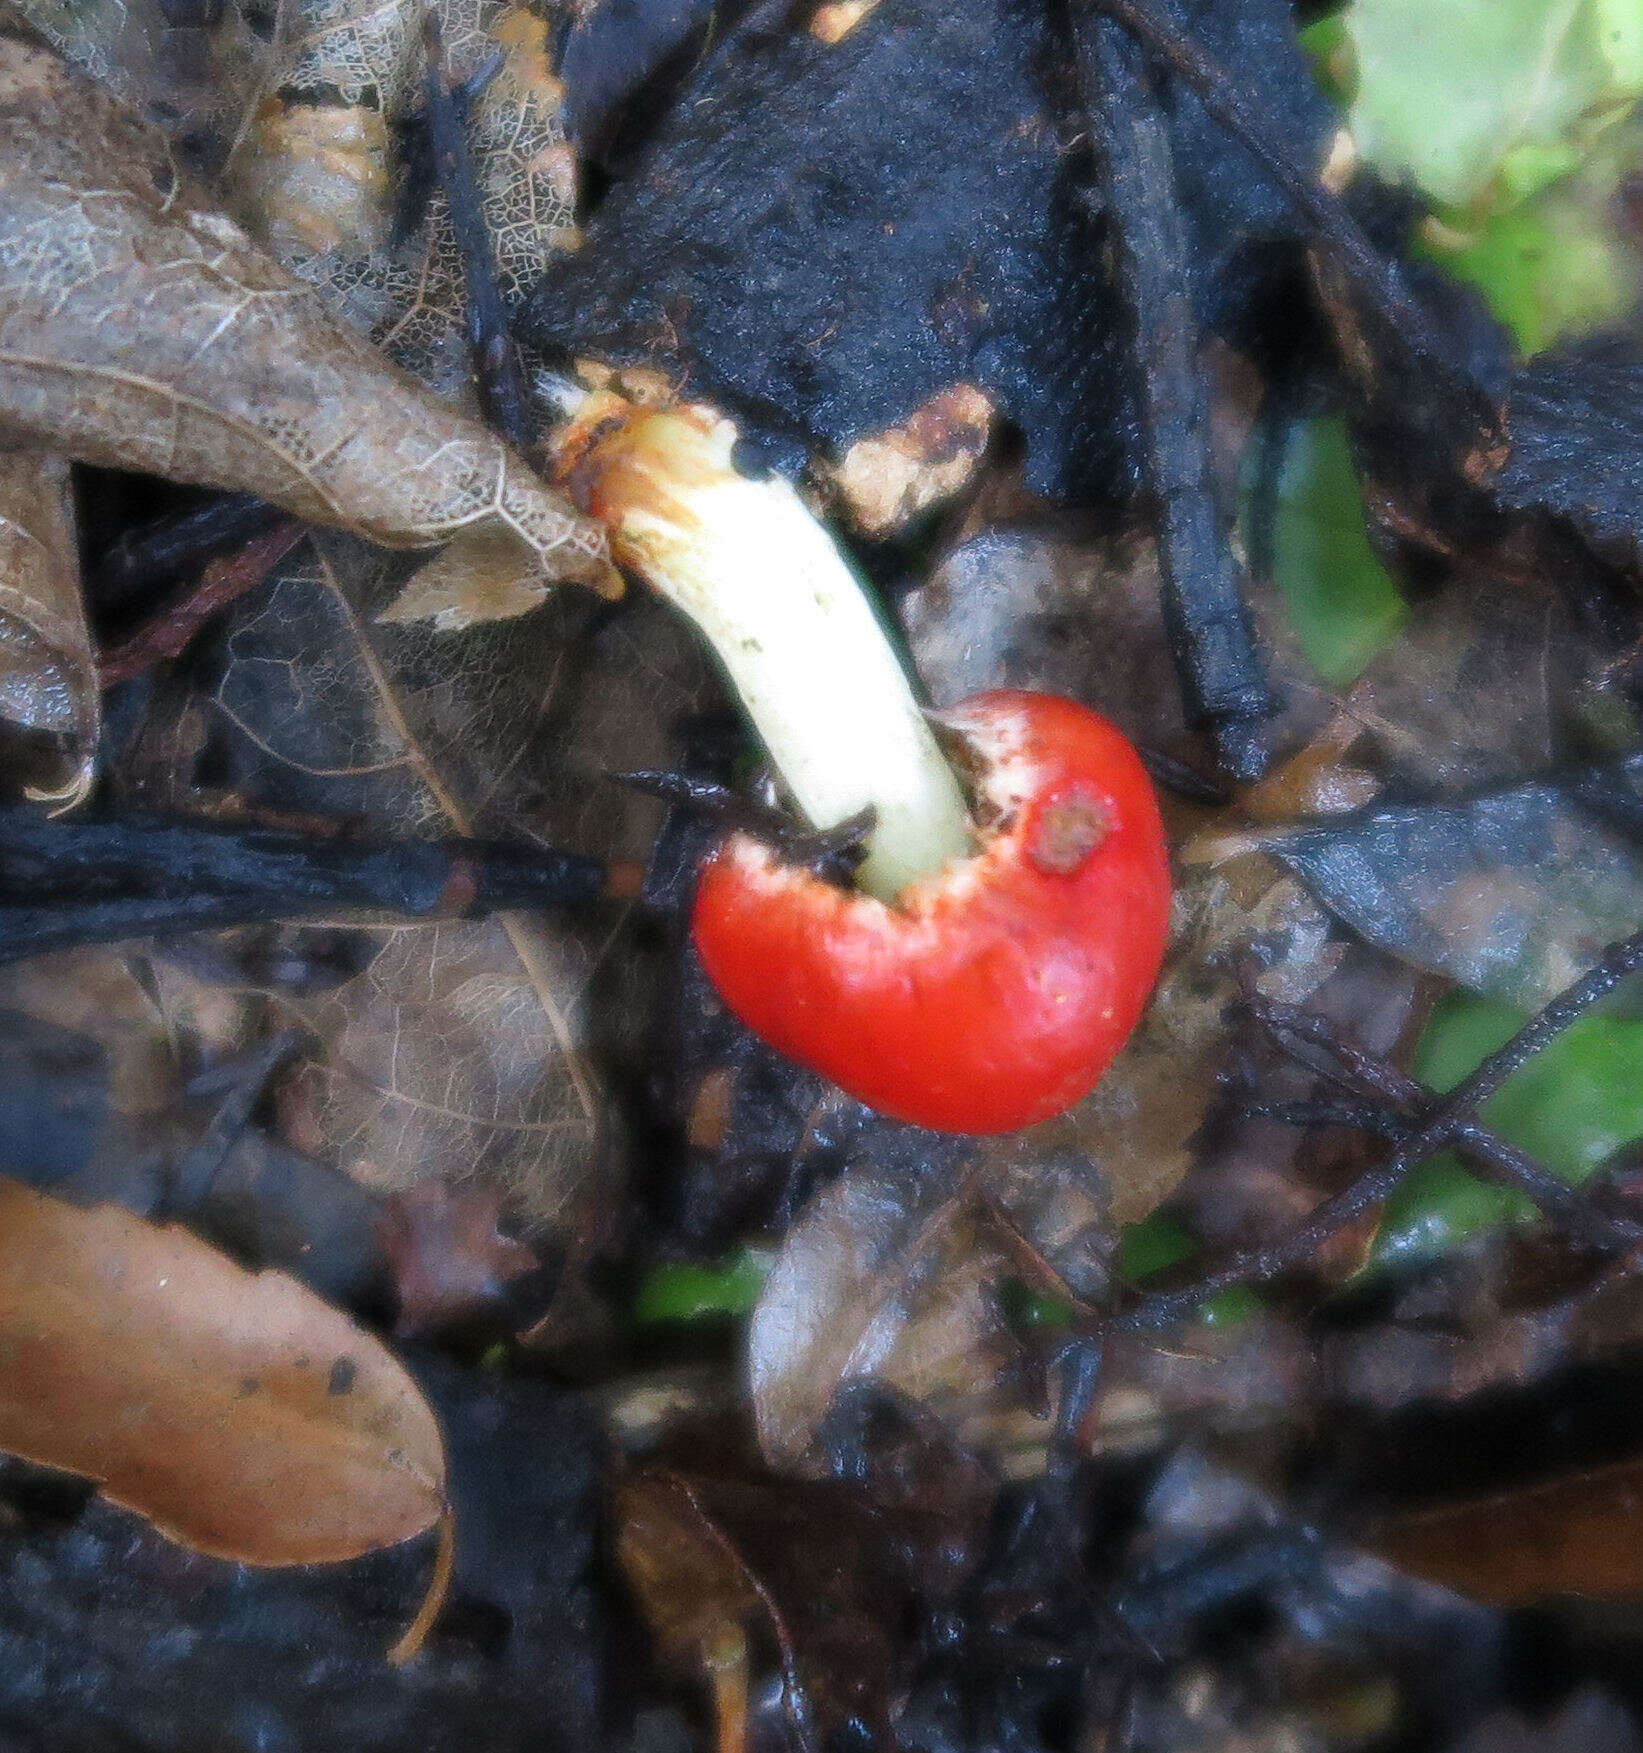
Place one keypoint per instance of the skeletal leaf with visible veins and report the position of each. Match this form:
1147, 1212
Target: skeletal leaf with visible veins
141, 330
310, 185
48, 676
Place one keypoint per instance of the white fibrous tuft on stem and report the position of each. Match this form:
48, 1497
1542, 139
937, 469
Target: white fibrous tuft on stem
791, 624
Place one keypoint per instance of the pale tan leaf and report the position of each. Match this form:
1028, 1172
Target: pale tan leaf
235, 1410
142, 330
884, 1278
48, 675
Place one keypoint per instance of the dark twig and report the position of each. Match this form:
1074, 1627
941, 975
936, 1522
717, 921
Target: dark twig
1496, 1158
1448, 1120
179, 621
190, 1180
1492, 1156
1335, 232
1211, 636
97, 881
828, 852
497, 375
1184, 781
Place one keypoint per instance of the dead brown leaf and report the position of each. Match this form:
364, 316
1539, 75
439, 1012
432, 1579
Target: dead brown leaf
449, 1258
239, 1413
459, 1052
1578, 1534
830, 1573
688, 1578
142, 330
48, 677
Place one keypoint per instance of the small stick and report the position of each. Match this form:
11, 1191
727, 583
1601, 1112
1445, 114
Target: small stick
190, 1179
97, 881
179, 620
1210, 634
1492, 1156
1500, 1160
1448, 1118
829, 852
172, 547
497, 375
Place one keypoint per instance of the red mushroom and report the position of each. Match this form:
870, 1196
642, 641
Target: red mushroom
981, 976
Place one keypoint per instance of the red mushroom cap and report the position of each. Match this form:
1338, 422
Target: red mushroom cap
995, 993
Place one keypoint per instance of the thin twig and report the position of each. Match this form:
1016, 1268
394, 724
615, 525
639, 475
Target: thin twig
1336, 233
1448, 1119
1211, 636
1407, 1100
497, 376
178, 622
68, 883
172, 547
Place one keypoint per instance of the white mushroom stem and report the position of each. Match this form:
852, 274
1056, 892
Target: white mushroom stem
791, 624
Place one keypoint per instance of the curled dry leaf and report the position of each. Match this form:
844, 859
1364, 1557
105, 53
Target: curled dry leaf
235, 1410
48, 676
140, 329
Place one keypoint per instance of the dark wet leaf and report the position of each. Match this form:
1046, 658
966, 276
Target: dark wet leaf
614, 47
1576, 427
1580, 1534
1512, 892
824, 277
1593, 1721
1488, 684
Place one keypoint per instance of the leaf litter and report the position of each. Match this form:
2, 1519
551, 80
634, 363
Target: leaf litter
939, 1488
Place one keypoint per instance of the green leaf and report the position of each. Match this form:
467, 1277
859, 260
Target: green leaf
1027, 1309
1561, 264
1448, 93
686, 1291
1571, 1107
1159, 1242
1327, 45
1152, 1246
1342, 601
